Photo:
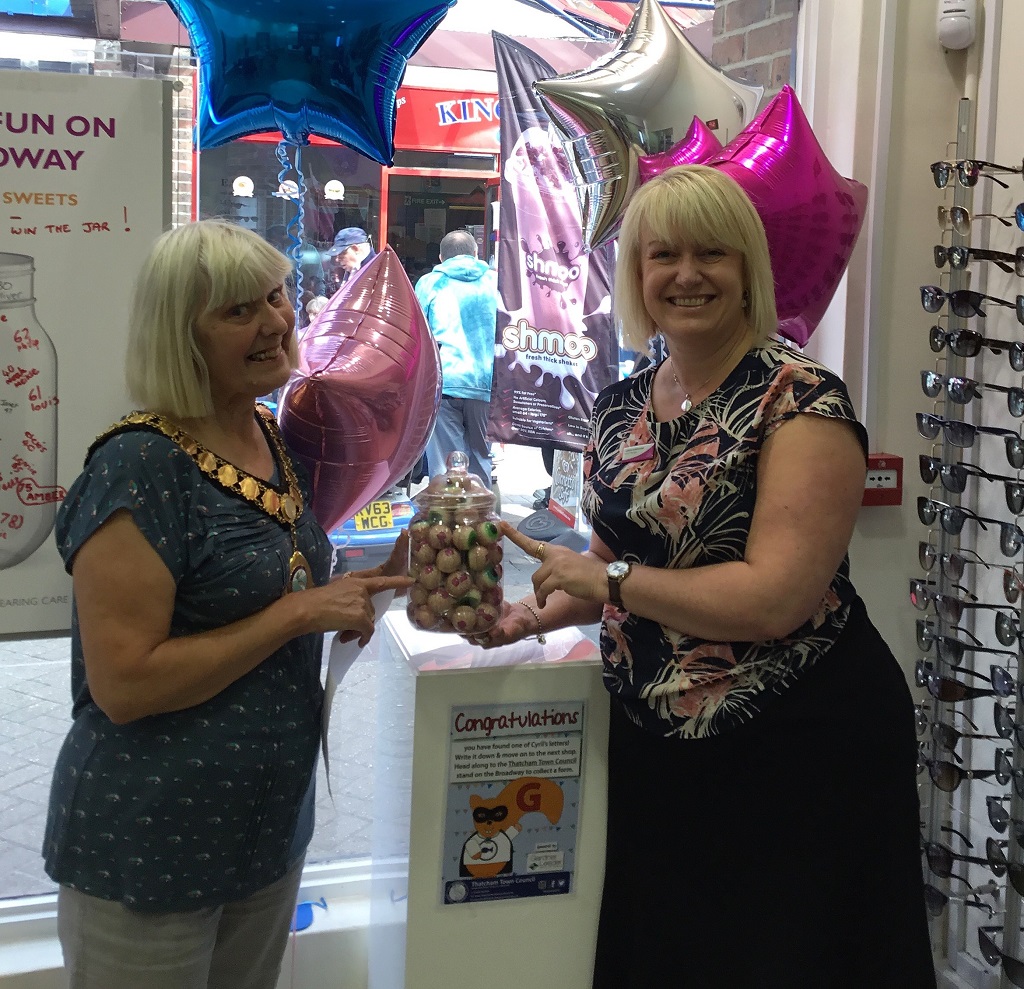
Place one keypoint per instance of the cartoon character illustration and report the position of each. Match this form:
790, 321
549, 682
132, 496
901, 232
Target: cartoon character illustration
488, 851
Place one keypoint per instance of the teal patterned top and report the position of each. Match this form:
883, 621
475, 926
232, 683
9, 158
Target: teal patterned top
681, 494
210, 804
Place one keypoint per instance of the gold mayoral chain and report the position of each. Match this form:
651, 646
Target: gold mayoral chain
284, 507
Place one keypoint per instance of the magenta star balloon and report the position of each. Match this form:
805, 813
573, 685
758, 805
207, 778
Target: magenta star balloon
360, 407
811, 214
696, 147
635, 101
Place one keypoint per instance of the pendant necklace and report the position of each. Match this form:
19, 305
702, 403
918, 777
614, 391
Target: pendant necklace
686, 404
284, 507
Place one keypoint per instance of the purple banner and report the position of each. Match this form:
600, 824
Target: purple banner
556, 345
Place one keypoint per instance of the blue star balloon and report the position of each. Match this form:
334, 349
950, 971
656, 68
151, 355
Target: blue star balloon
326, 67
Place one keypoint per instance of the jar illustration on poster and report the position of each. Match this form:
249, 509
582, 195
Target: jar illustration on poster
29, 494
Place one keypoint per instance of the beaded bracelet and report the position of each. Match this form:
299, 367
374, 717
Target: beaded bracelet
540, 625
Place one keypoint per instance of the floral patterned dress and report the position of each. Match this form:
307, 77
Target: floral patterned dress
681, 494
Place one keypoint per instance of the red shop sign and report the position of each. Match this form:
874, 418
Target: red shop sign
442, 120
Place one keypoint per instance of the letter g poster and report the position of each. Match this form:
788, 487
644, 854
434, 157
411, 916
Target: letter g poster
556, 345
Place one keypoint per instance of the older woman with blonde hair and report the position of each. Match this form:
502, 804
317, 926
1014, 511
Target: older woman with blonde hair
182, 799
763, 817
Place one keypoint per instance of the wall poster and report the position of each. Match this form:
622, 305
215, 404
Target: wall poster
513, 808
84, 190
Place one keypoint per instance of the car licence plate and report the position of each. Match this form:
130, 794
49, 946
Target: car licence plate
376, 515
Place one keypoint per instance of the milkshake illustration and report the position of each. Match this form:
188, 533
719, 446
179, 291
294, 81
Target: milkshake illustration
29, 494
546, 329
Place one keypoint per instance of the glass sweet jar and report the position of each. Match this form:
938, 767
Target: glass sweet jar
455, 554
29, 494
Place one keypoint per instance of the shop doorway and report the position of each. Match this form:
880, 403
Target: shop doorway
423, 205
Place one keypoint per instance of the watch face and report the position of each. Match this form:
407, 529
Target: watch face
618, 570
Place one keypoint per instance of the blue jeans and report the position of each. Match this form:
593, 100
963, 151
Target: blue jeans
461, 425
239, 945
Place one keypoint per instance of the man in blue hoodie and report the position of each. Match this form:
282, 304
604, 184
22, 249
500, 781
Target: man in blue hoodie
460, 299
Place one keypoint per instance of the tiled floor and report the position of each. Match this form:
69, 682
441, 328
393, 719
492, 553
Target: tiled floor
35, 708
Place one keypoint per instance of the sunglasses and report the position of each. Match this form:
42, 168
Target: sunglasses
968, 171
948, 776
959, 256
968, 343
1007, 628
952, 518
999, 818
954, 478
951, 650
936, 901
959, 218
951, 564
946, 737
965, 302
964, 434
964, 390
1013, 967
952, 691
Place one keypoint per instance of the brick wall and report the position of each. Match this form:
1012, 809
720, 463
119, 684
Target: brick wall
753, 41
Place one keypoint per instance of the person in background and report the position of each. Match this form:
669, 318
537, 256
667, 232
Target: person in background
182, 799
460, 300
762, 795
351, 250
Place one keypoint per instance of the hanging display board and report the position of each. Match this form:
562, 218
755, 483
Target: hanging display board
84, 190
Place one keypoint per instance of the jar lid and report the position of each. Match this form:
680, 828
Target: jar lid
456, 488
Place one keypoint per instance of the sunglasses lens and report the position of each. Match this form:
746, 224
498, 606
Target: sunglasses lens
946, 776
967, 343
925, 635
1019, 307
935, 900
960, 390
918, 595
1005, 632
1015, 402
939, 254
940, 175
998, 816
1002, 719
950, 649
954, 478
961, 434
1011, 586
1014, 496
937, 339
965, 303
944, 736
1015, 452
932, 298
950, 609
1018, 262
960, 219
958, 257
928, 425
1018, 216
926, 555
988, 948
929, 468
926, 510
953, 566
1002, 684
931, 383
995, 854
1010, 538
967, 172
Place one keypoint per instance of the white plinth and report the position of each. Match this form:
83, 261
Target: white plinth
417, 941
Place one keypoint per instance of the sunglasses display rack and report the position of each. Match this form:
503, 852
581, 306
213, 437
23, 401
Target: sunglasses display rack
971, 563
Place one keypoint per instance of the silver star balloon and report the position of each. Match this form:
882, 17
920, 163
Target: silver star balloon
637, 100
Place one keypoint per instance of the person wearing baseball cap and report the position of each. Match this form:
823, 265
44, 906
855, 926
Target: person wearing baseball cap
351, 250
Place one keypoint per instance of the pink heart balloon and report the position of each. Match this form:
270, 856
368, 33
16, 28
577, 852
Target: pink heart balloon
696, 147
811, 214
360, 407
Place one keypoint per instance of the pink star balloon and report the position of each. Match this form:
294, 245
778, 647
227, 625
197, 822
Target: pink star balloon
696, 147
811, 214
360, 407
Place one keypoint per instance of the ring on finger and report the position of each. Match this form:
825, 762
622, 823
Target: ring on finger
540, 551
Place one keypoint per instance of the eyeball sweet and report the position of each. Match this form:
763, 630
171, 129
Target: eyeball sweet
448, 560
422, 617
463, 537
489, 578
463, 618
439, 601
487, 533
424, 553
486, 616
458, 583
430, 577
439, 536
477, 558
